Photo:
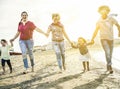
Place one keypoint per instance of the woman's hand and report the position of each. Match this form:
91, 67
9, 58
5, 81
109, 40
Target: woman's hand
11, 40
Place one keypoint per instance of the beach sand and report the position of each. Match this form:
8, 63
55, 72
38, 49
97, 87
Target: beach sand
46, 74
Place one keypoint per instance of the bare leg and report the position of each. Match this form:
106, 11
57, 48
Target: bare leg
63, 61
87, 63
84, 66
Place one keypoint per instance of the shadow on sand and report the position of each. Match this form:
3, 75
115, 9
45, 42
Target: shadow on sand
93, 84
46, 85
27, 84
55, 83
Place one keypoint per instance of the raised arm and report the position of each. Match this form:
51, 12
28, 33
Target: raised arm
66, 36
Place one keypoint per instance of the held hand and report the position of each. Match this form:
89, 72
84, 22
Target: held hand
46, 35
92, 42
72, 44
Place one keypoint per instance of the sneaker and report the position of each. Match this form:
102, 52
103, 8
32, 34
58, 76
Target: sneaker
10, 71
111, 72
25, 71
107, 72
60, 71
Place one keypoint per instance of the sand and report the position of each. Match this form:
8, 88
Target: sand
46, 75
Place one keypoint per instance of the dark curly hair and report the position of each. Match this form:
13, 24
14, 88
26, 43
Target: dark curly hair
4, 40
82, 39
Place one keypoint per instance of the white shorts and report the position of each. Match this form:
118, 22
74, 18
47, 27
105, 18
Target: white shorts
85, 57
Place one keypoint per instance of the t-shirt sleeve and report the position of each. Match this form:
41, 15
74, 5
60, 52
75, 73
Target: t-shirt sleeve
32, 26
114, 21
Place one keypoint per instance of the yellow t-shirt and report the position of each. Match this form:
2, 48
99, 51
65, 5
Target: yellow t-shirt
5, 54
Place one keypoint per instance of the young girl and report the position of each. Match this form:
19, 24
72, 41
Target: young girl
58, 36
84, 53
5, 55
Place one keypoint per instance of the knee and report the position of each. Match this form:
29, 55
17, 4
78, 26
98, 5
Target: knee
24, 56
58, 54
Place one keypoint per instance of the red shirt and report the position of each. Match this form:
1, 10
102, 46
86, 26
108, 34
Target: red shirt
26, 31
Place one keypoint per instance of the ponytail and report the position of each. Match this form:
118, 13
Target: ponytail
20, 22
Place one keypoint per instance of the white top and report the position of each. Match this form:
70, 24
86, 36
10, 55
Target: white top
106, 27
5, 54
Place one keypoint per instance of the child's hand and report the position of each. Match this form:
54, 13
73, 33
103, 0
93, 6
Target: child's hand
11, 42
73, 44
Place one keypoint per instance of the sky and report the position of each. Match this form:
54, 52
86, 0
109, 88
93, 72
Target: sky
79, 17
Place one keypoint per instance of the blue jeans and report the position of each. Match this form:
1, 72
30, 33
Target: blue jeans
59, 49
27, 47
108, 48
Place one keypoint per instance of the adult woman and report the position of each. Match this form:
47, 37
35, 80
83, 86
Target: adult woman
105, 26
58, 34
25, 30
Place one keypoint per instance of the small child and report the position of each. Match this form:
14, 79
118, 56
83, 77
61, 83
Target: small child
84, 53
5, 54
